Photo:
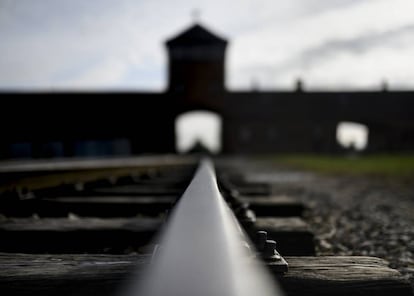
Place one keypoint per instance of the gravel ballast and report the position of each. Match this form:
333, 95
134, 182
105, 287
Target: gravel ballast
352, 215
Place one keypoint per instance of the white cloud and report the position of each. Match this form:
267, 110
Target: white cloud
280, 49
104, 75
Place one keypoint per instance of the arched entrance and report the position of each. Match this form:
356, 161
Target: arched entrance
198, 127
352, 135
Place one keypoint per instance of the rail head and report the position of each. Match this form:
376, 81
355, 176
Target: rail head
203, 249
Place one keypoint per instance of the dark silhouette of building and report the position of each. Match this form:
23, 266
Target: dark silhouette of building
253, 122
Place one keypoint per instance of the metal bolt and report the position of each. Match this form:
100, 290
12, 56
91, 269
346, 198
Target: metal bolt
269, 248
24, 193
246, 217
241, 208
269, 251
234, 193
261, 237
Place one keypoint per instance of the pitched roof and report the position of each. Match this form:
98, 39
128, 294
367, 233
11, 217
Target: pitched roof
196, 34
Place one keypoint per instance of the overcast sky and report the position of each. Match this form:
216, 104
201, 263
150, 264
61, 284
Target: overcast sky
117, 44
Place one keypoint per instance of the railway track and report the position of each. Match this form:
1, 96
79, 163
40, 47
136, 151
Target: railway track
91, 227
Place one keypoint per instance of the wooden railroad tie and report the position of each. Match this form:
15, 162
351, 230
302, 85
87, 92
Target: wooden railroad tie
114, 235
113, 219
91, 274
129, 206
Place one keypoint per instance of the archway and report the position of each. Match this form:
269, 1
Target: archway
352, 135
198, 127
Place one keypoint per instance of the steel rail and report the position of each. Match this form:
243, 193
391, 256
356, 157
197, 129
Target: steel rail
203, 249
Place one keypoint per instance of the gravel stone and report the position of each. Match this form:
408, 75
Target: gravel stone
352, 215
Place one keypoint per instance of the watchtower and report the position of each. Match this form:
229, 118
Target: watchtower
196, 67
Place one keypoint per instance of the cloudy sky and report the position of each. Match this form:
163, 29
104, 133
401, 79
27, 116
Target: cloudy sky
118, 44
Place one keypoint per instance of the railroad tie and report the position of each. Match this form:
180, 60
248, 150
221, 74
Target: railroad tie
87, 233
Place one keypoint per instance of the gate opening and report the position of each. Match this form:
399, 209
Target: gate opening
352, 135
198, 128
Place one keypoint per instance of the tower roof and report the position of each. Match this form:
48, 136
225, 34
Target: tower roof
196, 35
